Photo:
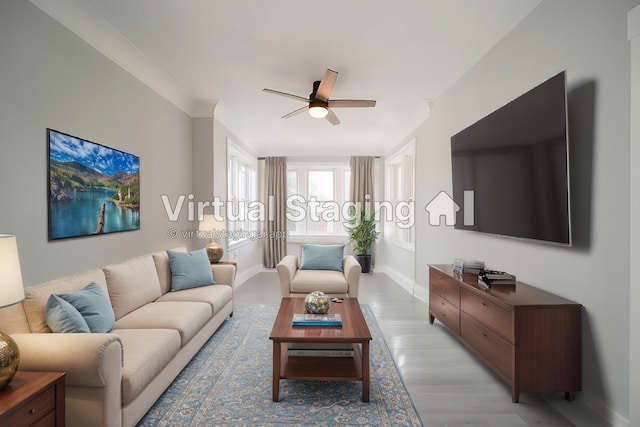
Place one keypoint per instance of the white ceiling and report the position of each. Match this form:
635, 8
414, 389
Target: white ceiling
198, 53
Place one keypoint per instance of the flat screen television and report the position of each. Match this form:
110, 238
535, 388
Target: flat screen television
511, 169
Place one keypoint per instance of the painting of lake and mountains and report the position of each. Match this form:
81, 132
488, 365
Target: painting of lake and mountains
93, 189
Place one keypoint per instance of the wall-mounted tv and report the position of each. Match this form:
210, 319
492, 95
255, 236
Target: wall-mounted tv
511, 169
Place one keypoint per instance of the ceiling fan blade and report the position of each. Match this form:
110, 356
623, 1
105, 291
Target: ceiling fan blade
288, 95
332, 117
296, 112
326, 85
351, 103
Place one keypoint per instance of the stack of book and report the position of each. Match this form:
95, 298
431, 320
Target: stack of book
320, 349
488, 278
461, 266
321, 320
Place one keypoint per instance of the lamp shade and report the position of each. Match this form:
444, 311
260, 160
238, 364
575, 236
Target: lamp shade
210, 223
11, 287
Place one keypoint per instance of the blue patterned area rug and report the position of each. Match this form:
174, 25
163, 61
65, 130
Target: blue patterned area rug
228, 383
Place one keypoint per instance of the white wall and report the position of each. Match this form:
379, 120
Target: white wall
51, 78
589, 40
634, 354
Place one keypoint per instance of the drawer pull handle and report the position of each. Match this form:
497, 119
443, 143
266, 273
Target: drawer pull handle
484, 304
483, 334
32, 411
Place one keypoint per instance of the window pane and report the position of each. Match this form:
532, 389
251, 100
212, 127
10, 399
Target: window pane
347, 185
292, 182
321, 185
242, 183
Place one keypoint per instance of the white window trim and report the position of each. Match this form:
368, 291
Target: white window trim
234, 150
396, 160
339, 169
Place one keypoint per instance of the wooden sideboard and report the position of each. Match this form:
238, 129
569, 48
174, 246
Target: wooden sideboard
529, 337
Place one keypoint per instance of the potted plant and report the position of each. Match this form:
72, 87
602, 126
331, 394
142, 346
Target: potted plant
362, 233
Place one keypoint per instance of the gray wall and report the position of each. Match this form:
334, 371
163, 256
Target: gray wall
51, 78
589, 40
634, 354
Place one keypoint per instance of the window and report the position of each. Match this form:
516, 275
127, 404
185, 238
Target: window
316, 195
400, 191
242, 191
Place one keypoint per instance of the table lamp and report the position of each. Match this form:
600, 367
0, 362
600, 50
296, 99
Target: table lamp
208, 227
11, 292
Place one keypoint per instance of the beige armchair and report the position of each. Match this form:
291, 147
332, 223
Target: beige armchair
296, 282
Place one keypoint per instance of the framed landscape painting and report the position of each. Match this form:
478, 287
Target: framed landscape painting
93, 189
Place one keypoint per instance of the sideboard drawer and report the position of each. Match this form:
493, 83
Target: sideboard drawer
499, 319
487, 343
445, 312
445, 286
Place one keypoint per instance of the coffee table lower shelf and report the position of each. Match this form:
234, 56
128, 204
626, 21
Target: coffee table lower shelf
317, 368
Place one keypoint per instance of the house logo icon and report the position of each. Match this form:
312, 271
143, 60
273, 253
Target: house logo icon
443, 205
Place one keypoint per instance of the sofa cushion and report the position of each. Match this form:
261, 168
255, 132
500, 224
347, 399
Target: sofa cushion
145, 352
321, 257
91, 303
36, 296
190, 269
132, 284
161, 260
330, 282
217, 296
62, 317
185, 317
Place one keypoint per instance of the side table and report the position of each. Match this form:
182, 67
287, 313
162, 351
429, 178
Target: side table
33, 398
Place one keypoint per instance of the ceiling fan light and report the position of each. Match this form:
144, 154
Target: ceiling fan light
318, 112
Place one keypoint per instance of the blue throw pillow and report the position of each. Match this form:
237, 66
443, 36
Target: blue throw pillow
92, 304
190, 270
322, 257
62, 317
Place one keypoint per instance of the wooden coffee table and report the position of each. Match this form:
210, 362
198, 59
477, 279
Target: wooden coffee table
354, 330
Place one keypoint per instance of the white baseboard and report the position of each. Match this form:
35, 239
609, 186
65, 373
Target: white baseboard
407, 283
587, 411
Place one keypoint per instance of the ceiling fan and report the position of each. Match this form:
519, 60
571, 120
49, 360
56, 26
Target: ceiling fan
318, 104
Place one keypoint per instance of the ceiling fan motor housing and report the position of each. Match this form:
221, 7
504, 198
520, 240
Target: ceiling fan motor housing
312, 95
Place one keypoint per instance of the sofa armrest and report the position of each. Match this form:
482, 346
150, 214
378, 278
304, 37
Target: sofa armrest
224, 274
287, 268
89, 360
352, 270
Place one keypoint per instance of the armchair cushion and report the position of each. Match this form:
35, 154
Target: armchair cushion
297, 282
322, 257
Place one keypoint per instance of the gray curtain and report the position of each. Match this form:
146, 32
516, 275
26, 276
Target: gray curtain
362, 180
274, 199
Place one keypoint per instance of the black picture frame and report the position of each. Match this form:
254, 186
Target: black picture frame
92, 189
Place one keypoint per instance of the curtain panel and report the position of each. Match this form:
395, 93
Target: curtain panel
362, 180
274, 199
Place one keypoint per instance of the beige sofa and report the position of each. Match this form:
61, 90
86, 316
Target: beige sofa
296, 282
114, 378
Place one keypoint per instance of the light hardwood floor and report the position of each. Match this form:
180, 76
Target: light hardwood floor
448, 385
